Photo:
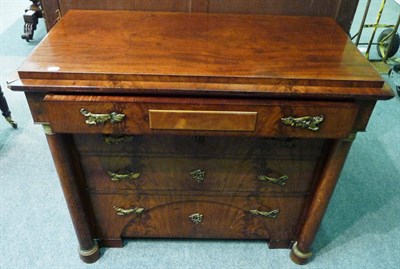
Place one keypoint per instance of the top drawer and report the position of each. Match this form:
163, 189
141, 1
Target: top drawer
160, 115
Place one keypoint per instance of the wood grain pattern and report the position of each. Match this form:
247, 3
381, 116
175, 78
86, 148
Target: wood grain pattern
342, 10
364, 113
52, 12
203, 48
223, 217
64, 115
202, 146
275, 7
35, 102
222, 175
346, 9
202, 120
278, 90
142, 5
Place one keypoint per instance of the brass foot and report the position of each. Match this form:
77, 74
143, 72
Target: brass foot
298, 256
90, 255
12, 122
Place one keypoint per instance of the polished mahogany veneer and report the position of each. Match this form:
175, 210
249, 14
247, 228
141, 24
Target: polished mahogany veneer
340, 10
198, 125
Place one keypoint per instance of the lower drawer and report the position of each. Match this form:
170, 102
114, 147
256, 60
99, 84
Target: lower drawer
198, 174
200, 146
179, 216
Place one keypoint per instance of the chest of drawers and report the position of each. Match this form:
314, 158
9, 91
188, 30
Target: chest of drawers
175, 125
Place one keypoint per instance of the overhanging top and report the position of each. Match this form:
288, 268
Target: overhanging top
199, 48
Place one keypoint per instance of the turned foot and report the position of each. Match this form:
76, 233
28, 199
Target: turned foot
5, 110
90, 255
298, 256
12, 122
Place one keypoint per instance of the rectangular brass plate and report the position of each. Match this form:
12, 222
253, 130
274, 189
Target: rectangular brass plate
202, 120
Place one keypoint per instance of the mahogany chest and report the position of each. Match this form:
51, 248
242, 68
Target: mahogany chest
175, 125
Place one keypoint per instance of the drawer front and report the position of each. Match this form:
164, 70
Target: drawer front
197, 216
200, 146
145, 115
199, 120
144, 174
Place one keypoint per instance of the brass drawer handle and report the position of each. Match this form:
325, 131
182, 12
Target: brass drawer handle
95, 119
117, 139
123, 212
196, 218
273, 214
307, 122
198, 175
279, 181
122, 177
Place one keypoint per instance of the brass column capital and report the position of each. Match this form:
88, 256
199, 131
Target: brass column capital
47, 129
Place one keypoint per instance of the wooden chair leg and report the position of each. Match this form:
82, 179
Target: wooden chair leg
5, 111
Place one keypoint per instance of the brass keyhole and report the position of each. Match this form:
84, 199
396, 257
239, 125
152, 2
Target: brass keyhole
196, 218
198, 175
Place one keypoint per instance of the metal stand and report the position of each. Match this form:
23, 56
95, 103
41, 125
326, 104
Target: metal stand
388, 41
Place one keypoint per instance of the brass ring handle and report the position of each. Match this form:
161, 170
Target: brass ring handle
123, 212
122, 177
196, 218
95, 119
279, 181
198, 175
307, 122
273, 214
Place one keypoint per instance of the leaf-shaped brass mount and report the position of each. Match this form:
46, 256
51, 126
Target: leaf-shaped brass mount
273, 214
95, 119
122, 177
279, 181
123, 212
307, 122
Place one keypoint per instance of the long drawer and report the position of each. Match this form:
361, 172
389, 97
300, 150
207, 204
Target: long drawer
200, 146
141, 174
179, 216
147, 115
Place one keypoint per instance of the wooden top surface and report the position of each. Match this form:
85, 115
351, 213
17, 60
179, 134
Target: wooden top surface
199, 48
